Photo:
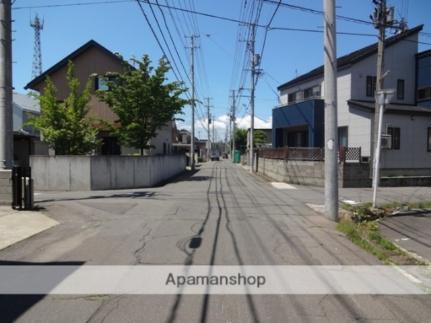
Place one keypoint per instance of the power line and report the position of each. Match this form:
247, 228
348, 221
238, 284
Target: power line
156, 37
318, 12
172, 40
91, 3
165, 41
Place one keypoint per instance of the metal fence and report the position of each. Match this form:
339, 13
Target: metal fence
351, 154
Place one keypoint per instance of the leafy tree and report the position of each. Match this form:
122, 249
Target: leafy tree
143, 101
63, 124
241, 139
259, 138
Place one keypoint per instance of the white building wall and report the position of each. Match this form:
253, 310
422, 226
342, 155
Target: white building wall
400, 63
164, 135
301, 87
413, 144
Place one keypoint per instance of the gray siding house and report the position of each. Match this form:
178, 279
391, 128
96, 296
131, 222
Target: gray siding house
299, 120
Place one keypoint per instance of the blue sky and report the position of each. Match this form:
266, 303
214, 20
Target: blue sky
122, 28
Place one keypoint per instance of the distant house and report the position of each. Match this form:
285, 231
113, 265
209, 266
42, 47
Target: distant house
183, 141
299, 120
25, 138
93, 61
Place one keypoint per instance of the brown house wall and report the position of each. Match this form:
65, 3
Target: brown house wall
89, 62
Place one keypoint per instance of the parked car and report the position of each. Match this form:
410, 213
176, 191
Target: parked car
215, 156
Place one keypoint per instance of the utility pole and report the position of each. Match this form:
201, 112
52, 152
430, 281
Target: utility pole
379, 19
213, 137
383, 17
331, 135
382, 97
254, 63
192, 139
6, 139
208, 129
233, 119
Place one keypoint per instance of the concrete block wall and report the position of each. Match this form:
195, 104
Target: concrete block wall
61, 173
293, 171
355, 175
313, 172
115, 172
5, 187
83, 173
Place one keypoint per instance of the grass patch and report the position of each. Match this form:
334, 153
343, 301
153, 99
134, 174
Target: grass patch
368, 236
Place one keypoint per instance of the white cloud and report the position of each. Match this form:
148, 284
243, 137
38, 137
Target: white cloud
221, 125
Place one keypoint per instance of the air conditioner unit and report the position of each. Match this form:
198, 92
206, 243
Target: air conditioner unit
386, 141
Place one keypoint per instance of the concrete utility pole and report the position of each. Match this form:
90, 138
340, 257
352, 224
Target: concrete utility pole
380, 21
208, 129
331, 131
213, 137
233, 119
6, 139
254, 63
192, 139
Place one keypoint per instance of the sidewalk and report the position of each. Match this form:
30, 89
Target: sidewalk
16, 226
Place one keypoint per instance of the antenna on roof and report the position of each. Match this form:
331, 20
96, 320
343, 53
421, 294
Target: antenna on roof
37, 25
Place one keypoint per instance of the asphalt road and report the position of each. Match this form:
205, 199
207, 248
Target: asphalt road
231, 218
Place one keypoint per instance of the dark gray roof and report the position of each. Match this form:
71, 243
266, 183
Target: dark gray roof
349, 59
393, 107
71, 56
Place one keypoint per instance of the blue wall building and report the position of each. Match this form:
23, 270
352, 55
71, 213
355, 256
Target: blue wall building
299, 124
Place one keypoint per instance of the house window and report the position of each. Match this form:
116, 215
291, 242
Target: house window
400, 89
316, 91
291, 97
308, 93
100, 83
371, 86
395, 137
424, 93
429, 140
343, 136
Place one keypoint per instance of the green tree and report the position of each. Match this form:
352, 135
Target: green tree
241, 139
259, 138
63, 124
143, 101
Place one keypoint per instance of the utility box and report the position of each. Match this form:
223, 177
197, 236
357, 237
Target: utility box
237, 157
22, 188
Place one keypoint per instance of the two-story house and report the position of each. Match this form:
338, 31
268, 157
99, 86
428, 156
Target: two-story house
299, 120
93, 61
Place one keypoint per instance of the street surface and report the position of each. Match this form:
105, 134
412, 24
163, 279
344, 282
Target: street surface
220, 215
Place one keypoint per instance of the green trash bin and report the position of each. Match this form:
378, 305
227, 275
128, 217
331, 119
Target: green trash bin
237, 157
